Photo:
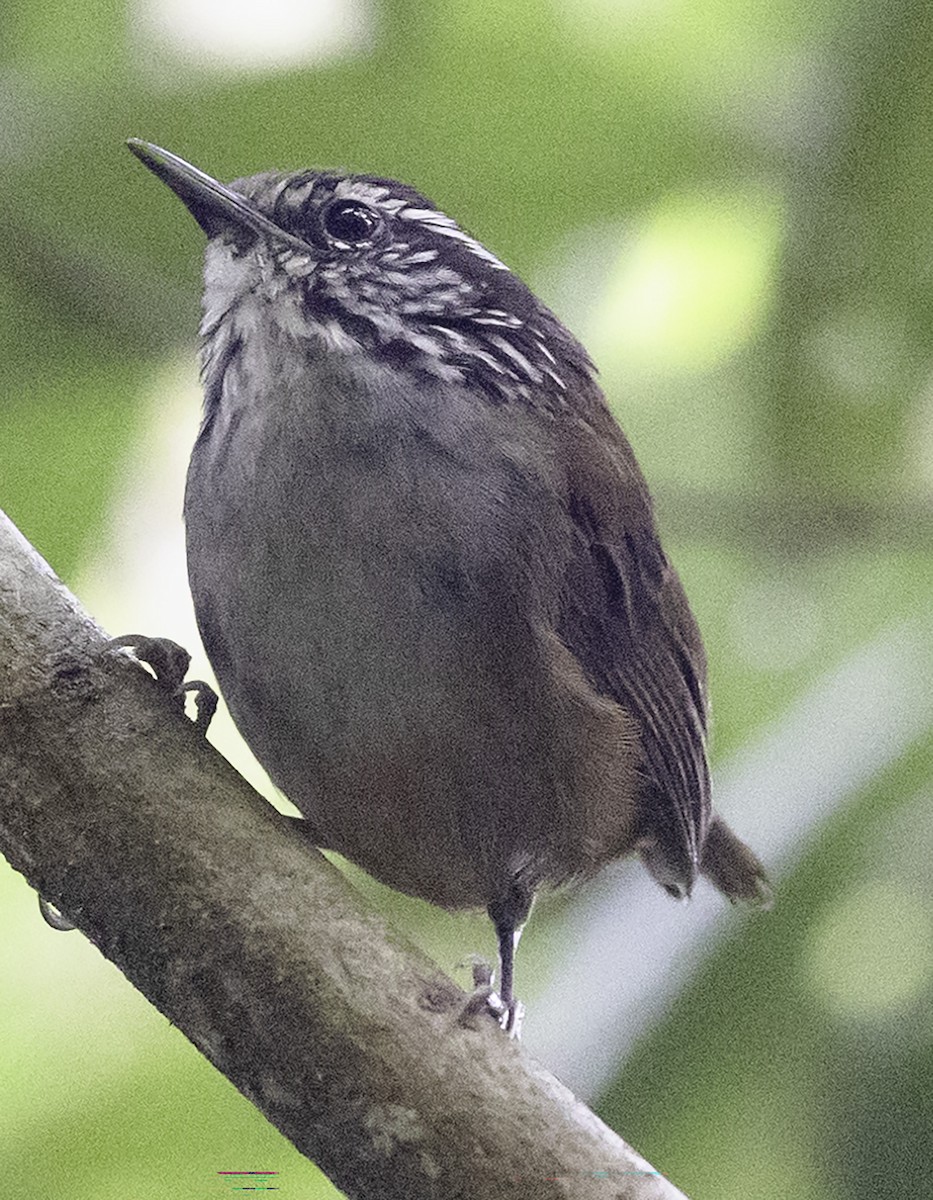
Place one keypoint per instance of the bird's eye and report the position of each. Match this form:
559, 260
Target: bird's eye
350, 222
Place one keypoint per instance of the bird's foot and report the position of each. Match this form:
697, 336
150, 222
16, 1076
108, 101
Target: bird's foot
486, 1000
169, 662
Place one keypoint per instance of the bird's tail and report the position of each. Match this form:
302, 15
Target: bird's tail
732, 867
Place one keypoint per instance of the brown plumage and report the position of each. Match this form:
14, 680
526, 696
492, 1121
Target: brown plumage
425, 563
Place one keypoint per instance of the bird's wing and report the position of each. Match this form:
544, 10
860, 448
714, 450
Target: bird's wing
626, 619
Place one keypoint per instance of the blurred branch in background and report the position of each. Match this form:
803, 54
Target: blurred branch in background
799, 523
848, 350
84, 289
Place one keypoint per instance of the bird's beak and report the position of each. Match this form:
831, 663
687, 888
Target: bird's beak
216, 207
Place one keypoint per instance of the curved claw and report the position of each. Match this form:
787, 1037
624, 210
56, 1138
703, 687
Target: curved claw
205, 702
168, 660
52, 916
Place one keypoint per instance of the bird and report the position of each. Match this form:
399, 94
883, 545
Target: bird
425, 563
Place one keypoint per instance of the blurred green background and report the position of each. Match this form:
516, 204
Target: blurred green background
732, 206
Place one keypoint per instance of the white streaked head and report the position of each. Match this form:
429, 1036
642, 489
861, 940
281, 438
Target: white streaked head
356, 263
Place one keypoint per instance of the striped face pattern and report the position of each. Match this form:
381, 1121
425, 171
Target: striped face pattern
378, 268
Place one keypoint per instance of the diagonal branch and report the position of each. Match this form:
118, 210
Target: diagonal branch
216, 908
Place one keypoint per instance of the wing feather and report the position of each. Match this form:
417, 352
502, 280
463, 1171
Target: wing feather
626, 619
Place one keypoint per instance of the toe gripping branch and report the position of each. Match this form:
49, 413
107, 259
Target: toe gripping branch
168, 662
486, 1000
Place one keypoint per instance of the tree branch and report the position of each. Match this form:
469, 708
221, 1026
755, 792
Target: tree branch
256, 947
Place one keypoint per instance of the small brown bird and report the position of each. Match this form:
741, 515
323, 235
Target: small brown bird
424, 559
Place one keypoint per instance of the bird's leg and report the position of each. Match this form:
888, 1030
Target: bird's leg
508, 916
512, 1010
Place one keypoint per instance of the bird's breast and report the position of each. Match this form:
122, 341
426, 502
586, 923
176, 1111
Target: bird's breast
372, 567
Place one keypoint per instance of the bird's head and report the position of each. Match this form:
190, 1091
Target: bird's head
356, 263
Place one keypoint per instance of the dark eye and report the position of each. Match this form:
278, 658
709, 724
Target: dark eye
350, 222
